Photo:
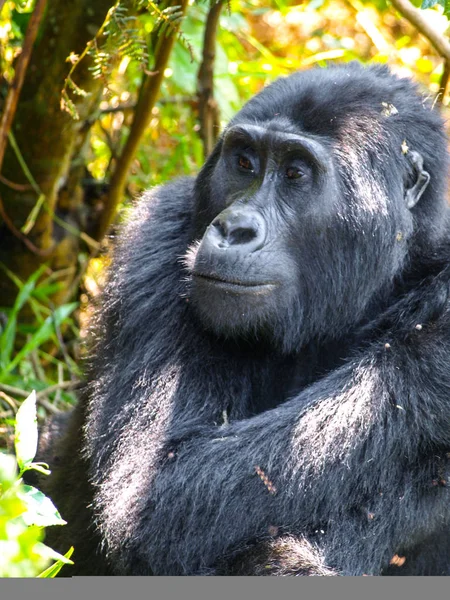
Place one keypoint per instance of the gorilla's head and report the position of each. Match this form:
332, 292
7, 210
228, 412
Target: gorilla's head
316, 197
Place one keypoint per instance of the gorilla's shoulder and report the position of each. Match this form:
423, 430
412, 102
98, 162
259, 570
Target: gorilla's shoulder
159, 222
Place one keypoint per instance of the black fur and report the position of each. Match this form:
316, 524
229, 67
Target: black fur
303, 432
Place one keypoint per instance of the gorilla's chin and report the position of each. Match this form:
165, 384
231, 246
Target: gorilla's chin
243, 311
231, 307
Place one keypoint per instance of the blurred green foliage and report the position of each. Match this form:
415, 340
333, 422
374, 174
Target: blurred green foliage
24, 510
33, 351
257, 42
444, 3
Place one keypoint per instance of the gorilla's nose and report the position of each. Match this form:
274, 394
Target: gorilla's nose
238, 230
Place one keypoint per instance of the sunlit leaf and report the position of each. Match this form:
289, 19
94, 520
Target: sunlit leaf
40, 467
54, 569
8, 471
40, 509
26, 433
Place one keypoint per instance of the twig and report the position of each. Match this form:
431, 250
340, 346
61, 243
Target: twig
75, 60
42, 394
162, 101
49, 407
148, 93
9, 109
207, 106
63, 385
62, 344
60, 369
10, 389
421, 23
38, 370
18, 187
70, 228
9, 401
119, 108
19, 235
2, 4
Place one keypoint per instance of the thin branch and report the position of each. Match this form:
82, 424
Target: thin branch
12, 98
207, 106
21, 236
10, 110
148, 94
62, 344
63, 385
41, 396
18, 187
15, 391
119, 108
162, 101
9, 401
417, 18
75, 60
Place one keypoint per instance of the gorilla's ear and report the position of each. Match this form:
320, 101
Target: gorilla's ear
418, 181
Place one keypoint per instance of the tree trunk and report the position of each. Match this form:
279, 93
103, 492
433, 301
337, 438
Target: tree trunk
51, 142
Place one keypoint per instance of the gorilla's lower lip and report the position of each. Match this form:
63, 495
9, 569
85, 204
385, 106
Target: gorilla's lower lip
251, 285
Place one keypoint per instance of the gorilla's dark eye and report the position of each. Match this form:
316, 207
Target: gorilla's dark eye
245, 163
294, 173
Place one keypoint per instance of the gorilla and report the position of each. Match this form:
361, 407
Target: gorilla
269, 385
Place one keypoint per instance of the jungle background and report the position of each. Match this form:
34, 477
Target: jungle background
99, 101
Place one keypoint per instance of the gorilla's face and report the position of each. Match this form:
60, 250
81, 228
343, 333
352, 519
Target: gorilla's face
290, 238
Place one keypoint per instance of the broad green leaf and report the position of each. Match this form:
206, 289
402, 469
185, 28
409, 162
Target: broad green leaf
54, 569
42, 335
26, 433
40, 509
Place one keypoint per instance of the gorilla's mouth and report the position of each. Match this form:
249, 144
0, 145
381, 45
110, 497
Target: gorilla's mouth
237, 284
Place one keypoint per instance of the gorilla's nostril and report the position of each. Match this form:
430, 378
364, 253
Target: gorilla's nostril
220, 228
241, 235
239, 229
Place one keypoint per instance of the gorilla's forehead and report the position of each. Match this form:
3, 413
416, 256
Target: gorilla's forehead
323, 101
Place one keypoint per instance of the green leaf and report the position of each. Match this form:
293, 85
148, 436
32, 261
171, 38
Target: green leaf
9, 334
8, 471
51, 554
26, 433
42, 335
40, 509
54, 569
431, 3
31, 219
40, 467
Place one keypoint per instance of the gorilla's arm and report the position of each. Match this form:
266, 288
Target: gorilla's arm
356, 462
